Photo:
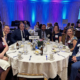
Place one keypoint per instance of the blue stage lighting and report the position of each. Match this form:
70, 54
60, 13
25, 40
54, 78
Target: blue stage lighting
64, 13
79, 14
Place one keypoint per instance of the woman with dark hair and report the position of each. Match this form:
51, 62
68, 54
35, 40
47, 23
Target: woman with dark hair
3, 59
71, 40
56, 35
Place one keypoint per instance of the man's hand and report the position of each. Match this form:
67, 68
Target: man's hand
74, 59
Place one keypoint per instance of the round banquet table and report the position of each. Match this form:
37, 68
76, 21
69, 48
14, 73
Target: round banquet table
39, 64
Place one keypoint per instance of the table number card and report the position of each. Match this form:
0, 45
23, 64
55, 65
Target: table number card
33, 37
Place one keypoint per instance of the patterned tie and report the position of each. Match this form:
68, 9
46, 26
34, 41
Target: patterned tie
23, 34
43, 34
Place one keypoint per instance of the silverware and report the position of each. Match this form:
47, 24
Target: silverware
12, 52
61, 55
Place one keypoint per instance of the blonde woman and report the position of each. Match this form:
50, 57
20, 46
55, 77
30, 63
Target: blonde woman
71, 40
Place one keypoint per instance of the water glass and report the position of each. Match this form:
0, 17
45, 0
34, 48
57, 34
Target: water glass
45, 49
60, 47
25, 49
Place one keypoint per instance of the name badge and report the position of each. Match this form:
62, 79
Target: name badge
56, 36
3, 44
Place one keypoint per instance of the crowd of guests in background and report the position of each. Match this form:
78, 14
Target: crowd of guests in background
52, 32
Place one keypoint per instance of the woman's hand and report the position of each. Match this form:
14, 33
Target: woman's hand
1, 56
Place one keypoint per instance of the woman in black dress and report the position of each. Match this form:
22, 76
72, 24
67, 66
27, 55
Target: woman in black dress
3, 50
56, 35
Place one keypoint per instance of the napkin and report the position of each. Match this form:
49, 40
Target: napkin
4, 64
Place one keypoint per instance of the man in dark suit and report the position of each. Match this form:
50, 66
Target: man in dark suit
76, 61
6, 34
19, 34
44, 33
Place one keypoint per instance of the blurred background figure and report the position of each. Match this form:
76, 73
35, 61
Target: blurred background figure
40, 26
72, 26
78, 26
26, 25
49, 26
36, 27
56, 24
65, 28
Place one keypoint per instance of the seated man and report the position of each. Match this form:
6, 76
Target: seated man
6, 34
19, 34
76, 62
44, 33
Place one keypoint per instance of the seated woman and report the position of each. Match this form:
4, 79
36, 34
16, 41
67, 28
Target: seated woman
71, 40
56, 35
3, 49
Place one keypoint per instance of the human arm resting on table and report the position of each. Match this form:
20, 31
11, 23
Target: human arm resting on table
5, 49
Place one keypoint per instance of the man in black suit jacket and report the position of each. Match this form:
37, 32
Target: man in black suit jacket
19, 34
6, 34
44, 33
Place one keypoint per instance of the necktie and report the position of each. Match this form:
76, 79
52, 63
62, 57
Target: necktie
43, 34
23, 34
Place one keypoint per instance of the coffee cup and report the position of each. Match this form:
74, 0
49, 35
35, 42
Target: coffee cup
51, 56
19, 56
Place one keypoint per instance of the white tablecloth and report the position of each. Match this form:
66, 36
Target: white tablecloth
38, 64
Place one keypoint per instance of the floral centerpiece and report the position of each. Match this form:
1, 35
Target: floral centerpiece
40, 42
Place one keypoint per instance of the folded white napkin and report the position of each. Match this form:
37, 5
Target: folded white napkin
4, 64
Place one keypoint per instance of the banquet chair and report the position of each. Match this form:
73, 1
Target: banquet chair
77, 34
63, 38
24, 75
